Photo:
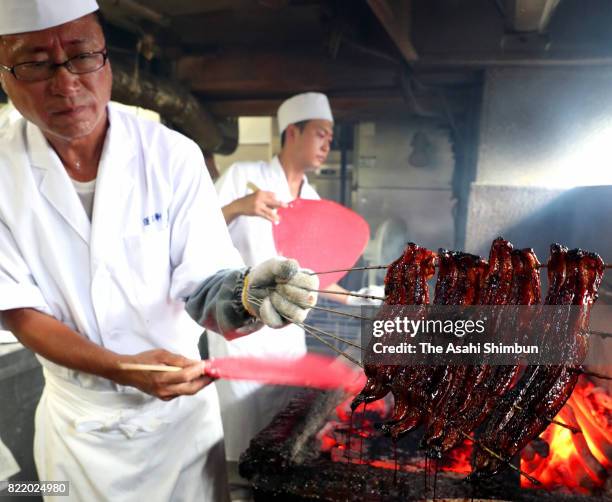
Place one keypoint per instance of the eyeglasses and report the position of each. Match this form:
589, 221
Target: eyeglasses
33, 71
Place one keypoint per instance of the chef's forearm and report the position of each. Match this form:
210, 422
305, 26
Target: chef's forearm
58, 343
217, 305
231, 211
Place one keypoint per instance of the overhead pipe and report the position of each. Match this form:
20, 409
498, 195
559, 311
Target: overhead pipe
176, 105
138, 10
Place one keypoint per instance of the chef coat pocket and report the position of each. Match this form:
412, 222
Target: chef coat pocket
149, 263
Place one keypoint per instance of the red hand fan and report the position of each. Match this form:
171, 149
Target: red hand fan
321, 235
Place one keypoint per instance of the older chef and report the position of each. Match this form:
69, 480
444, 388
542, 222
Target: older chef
110, 232
306, 125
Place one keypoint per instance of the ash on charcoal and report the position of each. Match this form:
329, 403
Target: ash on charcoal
285, 462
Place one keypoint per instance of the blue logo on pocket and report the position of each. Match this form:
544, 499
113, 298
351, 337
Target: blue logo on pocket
149, 220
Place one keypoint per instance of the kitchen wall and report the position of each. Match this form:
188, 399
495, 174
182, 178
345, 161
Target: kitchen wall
543, 172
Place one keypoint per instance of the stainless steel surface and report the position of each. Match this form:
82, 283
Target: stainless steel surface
386, 154
21, 383
548, 127
327, 183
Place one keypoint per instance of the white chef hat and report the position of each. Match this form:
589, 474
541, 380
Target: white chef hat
21, 16
306, 106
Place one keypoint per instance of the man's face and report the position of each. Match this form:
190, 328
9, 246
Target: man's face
314, 142
66, 106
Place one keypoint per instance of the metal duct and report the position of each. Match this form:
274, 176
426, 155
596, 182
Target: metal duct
176, 106
132, 8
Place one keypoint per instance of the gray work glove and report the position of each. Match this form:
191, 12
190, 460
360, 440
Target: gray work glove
277, 292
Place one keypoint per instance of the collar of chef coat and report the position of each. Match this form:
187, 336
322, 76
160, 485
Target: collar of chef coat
114, 178
283, 192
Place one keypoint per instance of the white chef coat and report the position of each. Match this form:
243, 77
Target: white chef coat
247, 407
119, 280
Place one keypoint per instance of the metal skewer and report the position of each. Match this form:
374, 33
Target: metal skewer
312, 331
371, 267
349, 293
544, 265
324, 309
499, 457
575, 430
601, 333
339, 312
381, 298
380, 267
591, 373
331, 335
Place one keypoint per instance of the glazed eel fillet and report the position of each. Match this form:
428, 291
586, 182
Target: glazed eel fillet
525, 412
427, 397
477, 401
405, 284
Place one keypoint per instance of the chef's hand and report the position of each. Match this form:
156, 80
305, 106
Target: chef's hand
163, 385
260, 203
277, 291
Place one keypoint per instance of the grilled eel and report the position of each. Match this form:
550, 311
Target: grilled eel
410, 385
525, 290
574, 278
405, 284
445, 397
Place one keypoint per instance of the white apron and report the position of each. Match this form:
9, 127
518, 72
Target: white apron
87, 436
247, 407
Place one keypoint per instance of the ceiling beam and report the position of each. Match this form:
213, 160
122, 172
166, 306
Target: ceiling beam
471, 61
395, 16
235, 72
347, 107
343, 106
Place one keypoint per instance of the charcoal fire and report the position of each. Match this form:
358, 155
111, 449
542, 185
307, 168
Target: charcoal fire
316, 450
576, 462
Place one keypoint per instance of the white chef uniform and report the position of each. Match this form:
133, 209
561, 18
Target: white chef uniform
120, 280
247, 407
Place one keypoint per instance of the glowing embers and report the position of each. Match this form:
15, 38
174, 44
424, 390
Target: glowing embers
579, 462
564, 462
355, 439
